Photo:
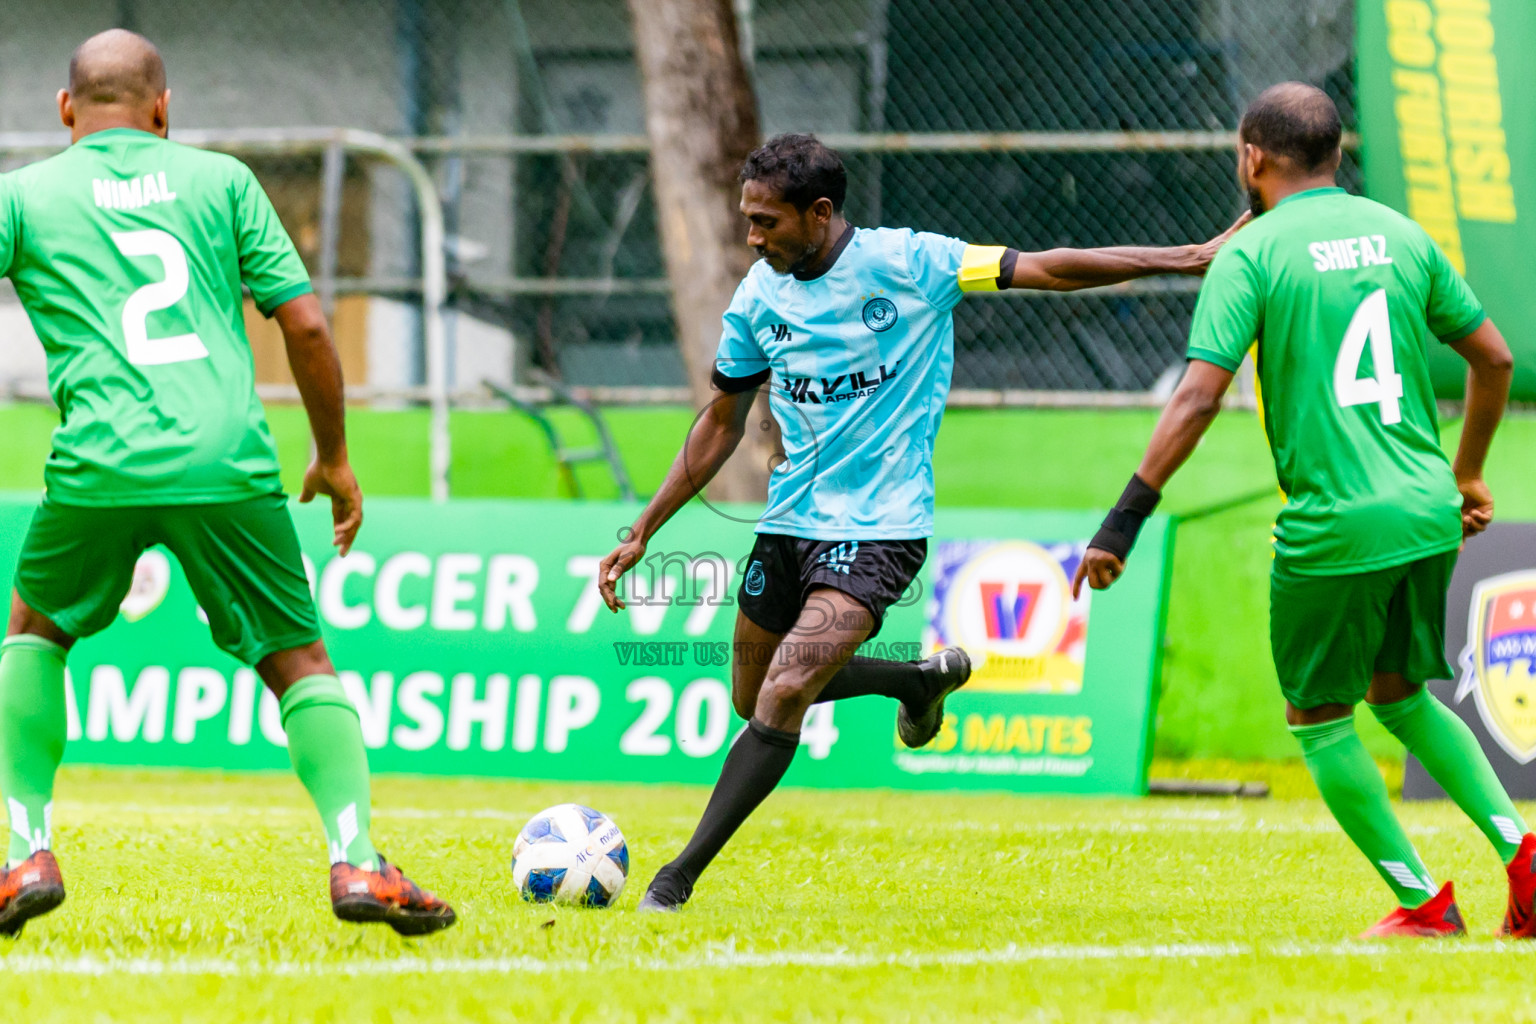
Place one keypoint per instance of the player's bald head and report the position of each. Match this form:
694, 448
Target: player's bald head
117, 68
1295, 121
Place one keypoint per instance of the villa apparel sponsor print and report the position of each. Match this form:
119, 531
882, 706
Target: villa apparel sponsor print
481, 646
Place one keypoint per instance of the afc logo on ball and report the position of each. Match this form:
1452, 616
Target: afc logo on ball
1497, 662
1009, 604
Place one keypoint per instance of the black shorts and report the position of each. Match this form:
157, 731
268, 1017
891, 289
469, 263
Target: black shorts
782, 571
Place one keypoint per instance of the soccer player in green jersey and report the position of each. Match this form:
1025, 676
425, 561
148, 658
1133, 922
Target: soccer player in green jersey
129, 253
1345, 298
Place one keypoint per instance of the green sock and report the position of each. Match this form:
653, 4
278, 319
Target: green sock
1354, 791
325, 744
1450, 753
32, 732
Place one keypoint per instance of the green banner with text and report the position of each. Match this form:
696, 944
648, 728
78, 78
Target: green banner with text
473, 640
1447, 105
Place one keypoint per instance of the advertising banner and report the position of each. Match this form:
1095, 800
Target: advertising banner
1447, 108
473, 640
1490, 641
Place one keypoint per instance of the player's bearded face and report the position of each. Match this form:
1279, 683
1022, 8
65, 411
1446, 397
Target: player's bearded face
798, 251
1255, 197
791, 246
786, 238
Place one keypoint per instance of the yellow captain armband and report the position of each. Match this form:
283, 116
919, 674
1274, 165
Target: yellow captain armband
979, 267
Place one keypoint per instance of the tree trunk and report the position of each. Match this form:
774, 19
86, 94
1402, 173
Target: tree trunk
701, 116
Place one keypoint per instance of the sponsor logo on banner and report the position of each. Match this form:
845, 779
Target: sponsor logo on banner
1498, 659
1009, 604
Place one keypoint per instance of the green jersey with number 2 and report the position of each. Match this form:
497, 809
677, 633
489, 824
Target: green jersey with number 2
128, 253
1344, 297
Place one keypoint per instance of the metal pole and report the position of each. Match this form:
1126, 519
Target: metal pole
434, 271
875, 142
879, 69
332, 172
311, 140
434, 296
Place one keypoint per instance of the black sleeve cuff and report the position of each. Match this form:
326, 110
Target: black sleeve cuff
1005, 268
736, 385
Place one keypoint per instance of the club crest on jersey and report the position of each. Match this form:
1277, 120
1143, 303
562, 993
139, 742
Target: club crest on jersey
879, 314
1497, 662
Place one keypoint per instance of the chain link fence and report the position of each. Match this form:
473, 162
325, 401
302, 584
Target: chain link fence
1033, 123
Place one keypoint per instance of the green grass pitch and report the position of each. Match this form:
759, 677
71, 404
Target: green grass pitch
200, 897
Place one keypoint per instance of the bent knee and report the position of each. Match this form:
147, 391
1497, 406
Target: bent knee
789, 692
1295, 716
27, 621
743, 701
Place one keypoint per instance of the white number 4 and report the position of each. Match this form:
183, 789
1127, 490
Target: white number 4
1372, 323
142, 349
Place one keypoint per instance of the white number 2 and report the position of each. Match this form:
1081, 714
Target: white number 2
142, 349
1372, 323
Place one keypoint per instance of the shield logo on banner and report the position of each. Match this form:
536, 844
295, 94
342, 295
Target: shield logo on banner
151, 582
1497, 665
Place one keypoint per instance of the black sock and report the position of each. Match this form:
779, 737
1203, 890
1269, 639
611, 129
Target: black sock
865, 677
752, 769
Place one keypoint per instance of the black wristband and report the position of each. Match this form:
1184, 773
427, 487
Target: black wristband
1118, 534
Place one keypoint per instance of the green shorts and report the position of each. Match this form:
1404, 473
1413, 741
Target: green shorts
241, 559
1330, 633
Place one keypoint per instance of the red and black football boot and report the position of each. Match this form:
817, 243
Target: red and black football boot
28, 890
1520, 917
386, 896
1438, 918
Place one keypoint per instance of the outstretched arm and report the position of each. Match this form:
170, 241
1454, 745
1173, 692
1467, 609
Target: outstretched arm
1185, 420
317, 371
715, 435
1490, 367
1066, 270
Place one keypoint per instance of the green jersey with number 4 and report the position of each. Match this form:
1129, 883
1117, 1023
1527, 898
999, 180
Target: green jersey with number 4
128, 253
1344, 297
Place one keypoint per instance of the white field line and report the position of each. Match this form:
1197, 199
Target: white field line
94, 966
1141, 825
263, 811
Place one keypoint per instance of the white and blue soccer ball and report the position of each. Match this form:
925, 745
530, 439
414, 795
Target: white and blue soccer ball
570, 854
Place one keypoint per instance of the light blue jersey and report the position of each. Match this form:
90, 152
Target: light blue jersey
860, 360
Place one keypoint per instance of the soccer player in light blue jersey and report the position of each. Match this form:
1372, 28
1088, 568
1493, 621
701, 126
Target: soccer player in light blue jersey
851, 329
